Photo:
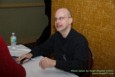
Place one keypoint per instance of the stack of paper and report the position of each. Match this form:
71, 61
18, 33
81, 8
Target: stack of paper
19, 50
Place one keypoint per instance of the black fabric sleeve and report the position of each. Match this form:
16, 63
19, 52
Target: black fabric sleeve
79, 61
44, 49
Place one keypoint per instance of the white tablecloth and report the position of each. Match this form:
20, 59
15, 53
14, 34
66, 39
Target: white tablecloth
32, 67
34, 70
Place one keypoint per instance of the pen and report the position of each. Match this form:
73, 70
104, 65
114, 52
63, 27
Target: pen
24, 60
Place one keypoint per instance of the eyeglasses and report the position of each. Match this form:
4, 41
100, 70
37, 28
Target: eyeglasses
61, 18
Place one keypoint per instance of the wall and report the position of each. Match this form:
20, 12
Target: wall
95, 19
24, 17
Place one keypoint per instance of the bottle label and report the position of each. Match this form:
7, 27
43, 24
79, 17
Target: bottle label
13, 39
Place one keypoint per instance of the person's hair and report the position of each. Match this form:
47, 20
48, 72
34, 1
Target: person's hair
69, 12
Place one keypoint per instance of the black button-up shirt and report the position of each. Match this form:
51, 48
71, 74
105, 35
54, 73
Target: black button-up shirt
70, 53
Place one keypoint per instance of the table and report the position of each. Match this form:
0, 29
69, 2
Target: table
32, 67
34, 70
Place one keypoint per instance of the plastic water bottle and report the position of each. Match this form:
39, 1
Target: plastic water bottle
13, 40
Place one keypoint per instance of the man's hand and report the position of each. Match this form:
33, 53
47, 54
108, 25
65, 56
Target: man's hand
47, 62
24, 57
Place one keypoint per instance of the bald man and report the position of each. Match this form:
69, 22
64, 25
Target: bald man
70, 48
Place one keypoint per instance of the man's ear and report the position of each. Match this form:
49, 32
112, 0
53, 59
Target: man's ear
70, 20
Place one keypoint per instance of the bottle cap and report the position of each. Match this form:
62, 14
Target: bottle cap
13, 33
